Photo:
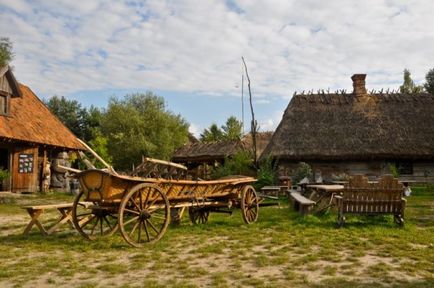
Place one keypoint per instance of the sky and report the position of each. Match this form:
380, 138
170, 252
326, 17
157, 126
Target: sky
190, 52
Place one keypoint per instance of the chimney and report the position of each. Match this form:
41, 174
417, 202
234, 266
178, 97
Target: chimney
359, 88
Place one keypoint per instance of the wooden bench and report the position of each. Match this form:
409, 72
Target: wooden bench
364, 198
300, 203
65, 210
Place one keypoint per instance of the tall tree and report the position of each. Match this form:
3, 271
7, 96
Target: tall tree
83, 123
212, 134
6, 54
232, 130
409, 86
139, 124
429, 84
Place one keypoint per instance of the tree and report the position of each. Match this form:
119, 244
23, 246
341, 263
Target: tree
429, 85
232, 129
212, 134
6, 54
75, 117
408, 87
139, 125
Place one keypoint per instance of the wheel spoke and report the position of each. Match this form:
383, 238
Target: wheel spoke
89, 219
94, 226
132, 211
134, 229
135, 204
141, 200
146, 230
152, 226
139, 237
158, 217
108, 223
131, 220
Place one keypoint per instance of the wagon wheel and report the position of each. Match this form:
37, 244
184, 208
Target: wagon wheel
144, 214
249, 204
323, 202
93, 220
198, 215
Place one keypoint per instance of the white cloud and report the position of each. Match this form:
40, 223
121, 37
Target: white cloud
195, 129
195, 46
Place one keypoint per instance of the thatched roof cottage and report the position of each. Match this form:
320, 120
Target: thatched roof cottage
357, 133
197, 154
30, 134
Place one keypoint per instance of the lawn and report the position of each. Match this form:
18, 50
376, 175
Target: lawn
280, 250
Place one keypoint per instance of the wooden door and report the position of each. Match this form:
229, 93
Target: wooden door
25, 169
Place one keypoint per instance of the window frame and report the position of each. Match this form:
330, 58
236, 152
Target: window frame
4, 111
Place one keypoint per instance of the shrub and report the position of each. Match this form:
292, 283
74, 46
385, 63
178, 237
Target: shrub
239, 164
4, 173
266, 174
394, 170
303, 170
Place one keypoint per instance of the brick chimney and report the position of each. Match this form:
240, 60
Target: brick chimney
359, 88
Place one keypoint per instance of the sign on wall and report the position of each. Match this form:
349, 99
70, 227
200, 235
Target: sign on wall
25, 163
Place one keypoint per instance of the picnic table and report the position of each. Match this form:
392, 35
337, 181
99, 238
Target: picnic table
323, 195
64, 209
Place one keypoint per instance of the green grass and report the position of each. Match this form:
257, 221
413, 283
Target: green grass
281, 250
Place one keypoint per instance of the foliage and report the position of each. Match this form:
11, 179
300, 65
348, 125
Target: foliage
408, 87
266, 173
232, 130
6, 54
4, 173
303, 170
239, 164
70, 112
212, 134
99, 145
394, 170
429, 84
340, 177
140, 125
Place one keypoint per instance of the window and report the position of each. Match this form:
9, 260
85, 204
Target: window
3, 105
404, 167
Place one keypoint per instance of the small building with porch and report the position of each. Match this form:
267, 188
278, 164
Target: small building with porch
357, 133
30, 135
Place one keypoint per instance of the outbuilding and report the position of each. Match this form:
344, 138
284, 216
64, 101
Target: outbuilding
30, 135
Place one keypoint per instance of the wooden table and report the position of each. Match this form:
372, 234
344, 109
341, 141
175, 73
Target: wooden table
323, 195
65, 210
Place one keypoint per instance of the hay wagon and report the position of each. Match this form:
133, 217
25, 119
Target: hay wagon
140, 206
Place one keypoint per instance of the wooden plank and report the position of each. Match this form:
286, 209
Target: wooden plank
301, 199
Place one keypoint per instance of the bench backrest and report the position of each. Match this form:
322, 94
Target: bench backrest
360, 196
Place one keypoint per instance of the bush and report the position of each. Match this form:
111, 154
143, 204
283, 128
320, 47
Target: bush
239, 164
266, 174
303, 170
4, 173
394, 170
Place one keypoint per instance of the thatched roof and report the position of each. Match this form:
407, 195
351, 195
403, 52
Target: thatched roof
30, 120
355, 126
199, 152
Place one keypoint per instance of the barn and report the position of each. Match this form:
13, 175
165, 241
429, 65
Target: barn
30, 135
357, 133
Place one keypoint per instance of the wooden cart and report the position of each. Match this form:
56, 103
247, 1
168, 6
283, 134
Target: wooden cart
140, 207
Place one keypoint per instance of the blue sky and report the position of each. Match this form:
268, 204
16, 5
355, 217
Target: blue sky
190, 51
